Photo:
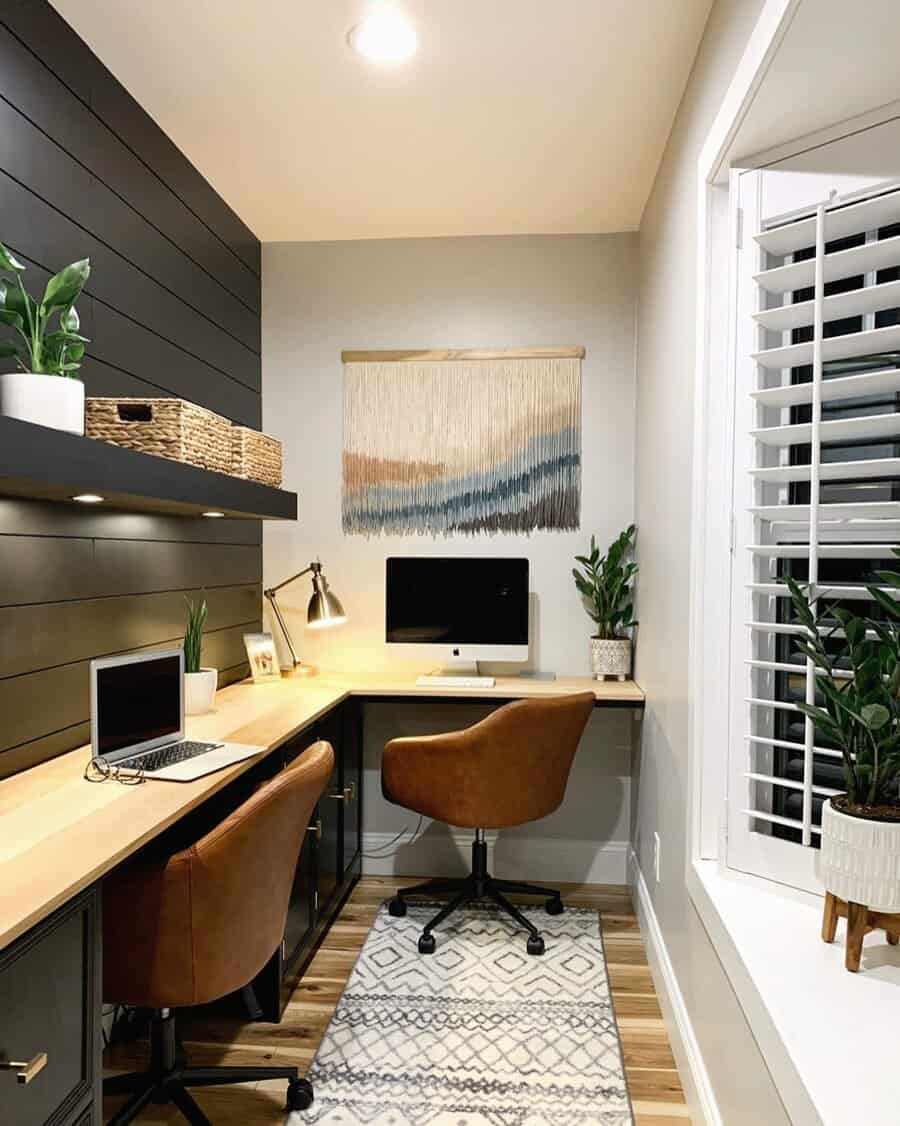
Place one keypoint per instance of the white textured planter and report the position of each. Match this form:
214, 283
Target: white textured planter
860, 860
200, 691
610, 658
47, 400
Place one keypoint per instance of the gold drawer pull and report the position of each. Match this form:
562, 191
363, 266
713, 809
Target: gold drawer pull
316, 828
27, 1070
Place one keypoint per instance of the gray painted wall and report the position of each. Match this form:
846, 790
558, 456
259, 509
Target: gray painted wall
666, 325
320, 298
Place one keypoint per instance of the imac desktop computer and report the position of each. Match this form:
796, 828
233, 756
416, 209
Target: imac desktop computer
464, 609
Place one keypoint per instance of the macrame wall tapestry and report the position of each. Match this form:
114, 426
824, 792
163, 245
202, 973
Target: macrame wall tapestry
462, 441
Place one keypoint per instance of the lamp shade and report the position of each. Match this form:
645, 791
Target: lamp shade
324, 608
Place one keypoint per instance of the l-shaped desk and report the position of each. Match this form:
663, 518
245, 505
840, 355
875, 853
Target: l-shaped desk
59, 835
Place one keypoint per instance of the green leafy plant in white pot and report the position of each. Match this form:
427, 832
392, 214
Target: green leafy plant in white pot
46, 344
856, 664
199, 683
605, 583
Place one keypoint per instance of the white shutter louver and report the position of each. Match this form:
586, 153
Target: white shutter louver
824, 479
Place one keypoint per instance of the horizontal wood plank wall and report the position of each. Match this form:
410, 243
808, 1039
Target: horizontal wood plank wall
172, 308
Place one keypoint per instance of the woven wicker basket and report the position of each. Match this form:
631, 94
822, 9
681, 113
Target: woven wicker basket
170, 428
255, 456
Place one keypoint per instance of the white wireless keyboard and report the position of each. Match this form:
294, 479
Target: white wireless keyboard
454, 682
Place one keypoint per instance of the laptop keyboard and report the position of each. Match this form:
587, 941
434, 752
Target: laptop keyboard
168, 756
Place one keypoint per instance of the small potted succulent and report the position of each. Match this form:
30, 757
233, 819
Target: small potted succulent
857, 711
605, 584
199, 683
49, 349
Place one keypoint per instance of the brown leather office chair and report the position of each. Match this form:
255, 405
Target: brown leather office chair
506, 770
196, 925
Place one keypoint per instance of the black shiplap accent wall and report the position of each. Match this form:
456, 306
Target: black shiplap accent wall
172, 308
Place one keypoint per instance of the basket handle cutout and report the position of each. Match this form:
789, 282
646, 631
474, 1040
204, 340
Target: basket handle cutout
135, 412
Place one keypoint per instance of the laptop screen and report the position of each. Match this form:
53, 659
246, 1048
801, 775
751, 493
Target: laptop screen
137, 701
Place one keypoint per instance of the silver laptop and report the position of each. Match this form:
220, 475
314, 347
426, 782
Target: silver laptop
137, 720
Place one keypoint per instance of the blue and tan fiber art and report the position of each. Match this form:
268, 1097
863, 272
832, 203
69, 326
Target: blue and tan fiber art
462, 446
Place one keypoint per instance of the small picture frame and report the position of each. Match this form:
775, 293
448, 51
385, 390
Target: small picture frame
263, 658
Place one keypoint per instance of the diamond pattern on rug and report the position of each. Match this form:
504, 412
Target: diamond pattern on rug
478, 1033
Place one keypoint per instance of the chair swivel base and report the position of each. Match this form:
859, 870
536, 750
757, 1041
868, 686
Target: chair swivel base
476, 886
165, 1081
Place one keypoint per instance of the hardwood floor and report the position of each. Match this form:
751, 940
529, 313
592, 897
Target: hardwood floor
213, 1037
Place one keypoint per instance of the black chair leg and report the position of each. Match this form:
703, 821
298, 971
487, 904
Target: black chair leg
126, 1084
426, 940
180, 1097
133, 1107
218, 1076
430, 887
167, 1079
526, 889
535, 944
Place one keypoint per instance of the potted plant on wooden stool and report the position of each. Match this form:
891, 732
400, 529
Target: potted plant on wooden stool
859, 714
47, 390
605, 584
199, 683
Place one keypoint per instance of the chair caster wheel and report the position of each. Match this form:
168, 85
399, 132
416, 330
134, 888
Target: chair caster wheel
299, 1094
554, 906
535, 944
397, 907
427, 944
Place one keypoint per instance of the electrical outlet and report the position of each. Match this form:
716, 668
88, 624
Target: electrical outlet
656, 856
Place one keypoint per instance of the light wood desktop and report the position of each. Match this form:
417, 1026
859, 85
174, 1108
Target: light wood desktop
59, 833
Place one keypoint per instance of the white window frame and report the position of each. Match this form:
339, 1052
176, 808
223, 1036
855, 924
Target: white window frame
722, 334
711, 526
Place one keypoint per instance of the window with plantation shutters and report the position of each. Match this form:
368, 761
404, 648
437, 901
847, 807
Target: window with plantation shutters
816, 485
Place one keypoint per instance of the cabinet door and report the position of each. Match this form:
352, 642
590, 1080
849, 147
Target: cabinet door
301, 916
328, 844
49, 1001
331, 814
351, 782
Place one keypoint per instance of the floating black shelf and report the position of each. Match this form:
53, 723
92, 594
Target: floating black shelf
52, 465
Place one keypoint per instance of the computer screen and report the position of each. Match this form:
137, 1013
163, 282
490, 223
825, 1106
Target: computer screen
457, 601
137, 701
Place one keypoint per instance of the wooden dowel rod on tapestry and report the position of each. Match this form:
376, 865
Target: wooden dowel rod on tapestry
399, 355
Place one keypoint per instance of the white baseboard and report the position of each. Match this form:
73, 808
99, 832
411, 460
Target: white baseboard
694, 1076
536, 859
433, 854
549, 859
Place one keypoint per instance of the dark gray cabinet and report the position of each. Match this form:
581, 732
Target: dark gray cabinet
50, 1002
330, 859
329, 815
351, 786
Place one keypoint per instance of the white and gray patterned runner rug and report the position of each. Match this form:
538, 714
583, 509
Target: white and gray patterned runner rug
476, 1034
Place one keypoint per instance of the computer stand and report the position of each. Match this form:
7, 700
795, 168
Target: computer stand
458, 674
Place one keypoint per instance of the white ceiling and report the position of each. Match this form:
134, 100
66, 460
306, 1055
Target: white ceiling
515, 116
837, 60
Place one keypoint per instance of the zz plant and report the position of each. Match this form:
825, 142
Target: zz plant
193, 634
857, 676
605, 584
49, 341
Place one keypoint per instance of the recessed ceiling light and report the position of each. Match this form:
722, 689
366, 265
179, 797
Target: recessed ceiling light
213, 515
384, 37
88, 498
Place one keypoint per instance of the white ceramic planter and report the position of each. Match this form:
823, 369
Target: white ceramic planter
860, 860
611, 658
200, 691
47, 400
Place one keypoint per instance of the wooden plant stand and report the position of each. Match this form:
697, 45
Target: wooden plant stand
860, 921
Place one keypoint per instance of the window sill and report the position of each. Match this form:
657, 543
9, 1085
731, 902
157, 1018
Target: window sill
828, 1036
